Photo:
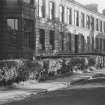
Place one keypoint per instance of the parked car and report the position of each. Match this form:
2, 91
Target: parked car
98, 76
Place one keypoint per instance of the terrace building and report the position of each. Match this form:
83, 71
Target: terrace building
66, 26
49, 27
17, 19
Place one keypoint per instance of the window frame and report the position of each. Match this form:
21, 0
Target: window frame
69, 15
82, 19
15, 24
51, 11
62, 13
76, 17
101, 26
41, 7
97, 24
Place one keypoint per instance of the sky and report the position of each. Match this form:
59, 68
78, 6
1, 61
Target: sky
101, 3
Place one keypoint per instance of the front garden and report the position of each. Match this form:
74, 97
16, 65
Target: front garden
22, 70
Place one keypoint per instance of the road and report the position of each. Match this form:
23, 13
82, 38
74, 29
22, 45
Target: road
77, 95
94, 96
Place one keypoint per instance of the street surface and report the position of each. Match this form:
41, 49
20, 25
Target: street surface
55, 92
94, 96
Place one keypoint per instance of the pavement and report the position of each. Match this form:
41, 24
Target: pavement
26, 89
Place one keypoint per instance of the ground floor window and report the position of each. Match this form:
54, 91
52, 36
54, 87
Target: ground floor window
101, 44
62, 41
52, 39
70, 43
104, 44
97, 43
76, 43
82, 43
42, 38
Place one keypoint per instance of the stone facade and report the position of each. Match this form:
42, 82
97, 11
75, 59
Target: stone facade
16, 37
82, 39
49, 27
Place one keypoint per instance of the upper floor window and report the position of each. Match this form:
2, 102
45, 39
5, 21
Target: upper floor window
92, 23
28, 25
69, 16
88, 22
61, 10
52, 10
41, 8
82, 20
52, 39
97, 25
76, 13
100, 26
12, 24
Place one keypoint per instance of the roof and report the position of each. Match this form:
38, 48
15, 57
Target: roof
81, 5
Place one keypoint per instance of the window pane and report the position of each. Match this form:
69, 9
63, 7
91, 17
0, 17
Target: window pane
51, 10
88, 22
69, 16
100, 26
97, 25
16, 24
92, 23
82, 20
52, 38
27, 1
61, 9
12, 24
42, 38
41, 8
28, 25
76, 18
104, 27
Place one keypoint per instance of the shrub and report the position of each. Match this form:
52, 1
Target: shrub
91, 62
18, 70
